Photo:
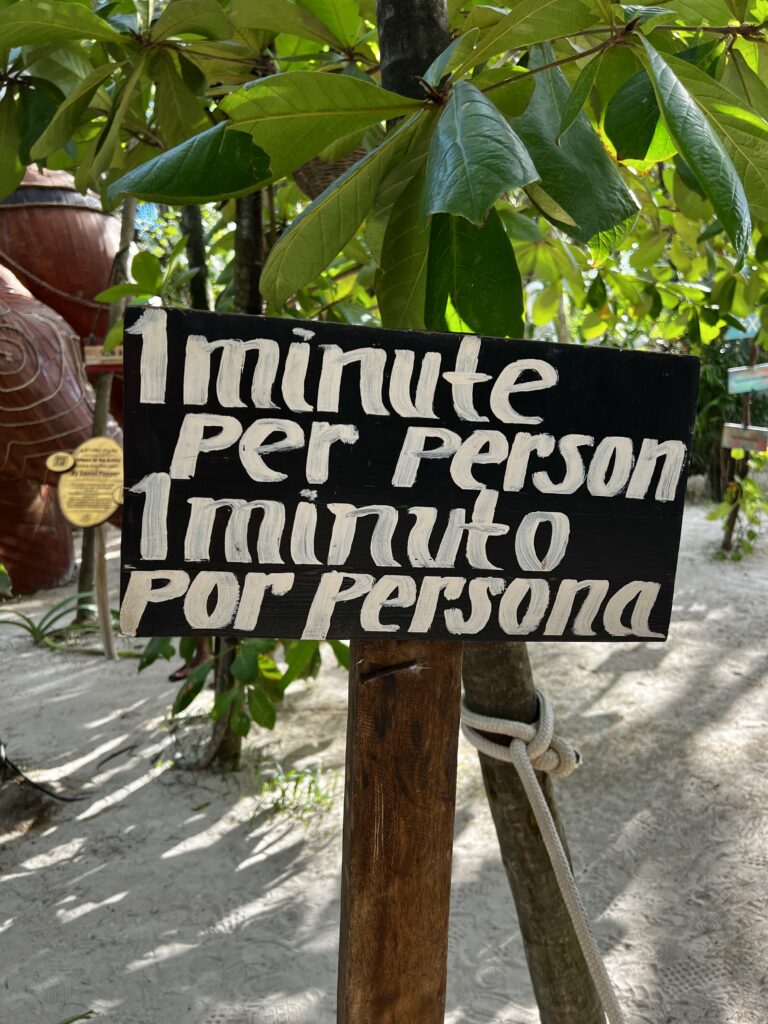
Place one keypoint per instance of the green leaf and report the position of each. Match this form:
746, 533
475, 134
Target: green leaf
245, 667
5, 583
192, 686
519, 227
293, 116
33, 22
341, 16
510, 88
321, 231
147, 271
158, 647
341, 650
581, 189
68, 117
702, 149
402, 280
179, 113
282, 16
451, 57
194, 17
743, 132
11, 168
101, 157
579, 94
739, 77
119, 291
299, 659
474, 156
474, 268
261, 707
217, 164
633, 125
187, 647
532, 21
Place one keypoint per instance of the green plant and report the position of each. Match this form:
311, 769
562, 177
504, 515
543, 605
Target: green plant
744, 506
299, 792
5, 582
87, 1015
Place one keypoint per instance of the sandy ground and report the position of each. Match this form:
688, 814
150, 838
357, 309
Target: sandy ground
168, 897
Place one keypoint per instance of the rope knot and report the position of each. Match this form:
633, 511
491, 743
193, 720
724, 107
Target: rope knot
545, 751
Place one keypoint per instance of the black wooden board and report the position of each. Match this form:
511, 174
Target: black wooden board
575, 540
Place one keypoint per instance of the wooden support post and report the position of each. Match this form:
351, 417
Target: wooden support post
498, 682
399, 803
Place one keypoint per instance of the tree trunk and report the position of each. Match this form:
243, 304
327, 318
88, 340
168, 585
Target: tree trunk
192, 227
249, 252
498, 682
402, 735
103, 391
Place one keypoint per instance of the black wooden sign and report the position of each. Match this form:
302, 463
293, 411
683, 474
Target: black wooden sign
286, 478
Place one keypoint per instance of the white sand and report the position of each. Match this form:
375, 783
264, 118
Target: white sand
173, 898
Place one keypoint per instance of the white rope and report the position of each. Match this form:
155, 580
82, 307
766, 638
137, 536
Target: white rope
535, 748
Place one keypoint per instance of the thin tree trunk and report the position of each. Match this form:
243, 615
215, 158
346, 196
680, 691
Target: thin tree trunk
498, 682
192, 227
103, 390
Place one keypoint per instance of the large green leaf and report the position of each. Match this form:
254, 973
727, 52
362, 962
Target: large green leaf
633, 124
293, 116
193, 17
341, 16
68, 117
581, 188
699, 12
702, 149
474, 268
217, 164
110, 140
402, 278
474, 156
739, 77
744, 133
178, 110
580, 93
261, 707
452, 57
281, 16
11, 168
32, 22
532, 21
321, 231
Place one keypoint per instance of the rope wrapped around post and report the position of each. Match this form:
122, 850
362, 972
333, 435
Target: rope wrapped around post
531, 748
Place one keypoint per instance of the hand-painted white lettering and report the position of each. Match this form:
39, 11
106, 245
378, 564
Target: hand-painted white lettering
197, 371
651, 450
429, 592
464, 378
256, 586
480, 607
197, 543
401, 381
644, 595
508, 383
303, 534
413, 451
321, 437
328, 594
482, 528
154, 518
420, 537
192, 441
387, 592
372, 363
523, 446
201, 590
345, 524
537, 591
140, 592
562, 608
253, 446
154, 354
295, 374
574, 467
525, 541
610, 467
480, 448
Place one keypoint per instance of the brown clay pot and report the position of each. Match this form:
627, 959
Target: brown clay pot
35, 539
61, 245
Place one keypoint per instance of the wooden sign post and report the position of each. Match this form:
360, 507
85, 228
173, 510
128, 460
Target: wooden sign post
286, 478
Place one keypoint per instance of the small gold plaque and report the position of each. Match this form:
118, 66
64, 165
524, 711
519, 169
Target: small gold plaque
60, 462
90, 492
